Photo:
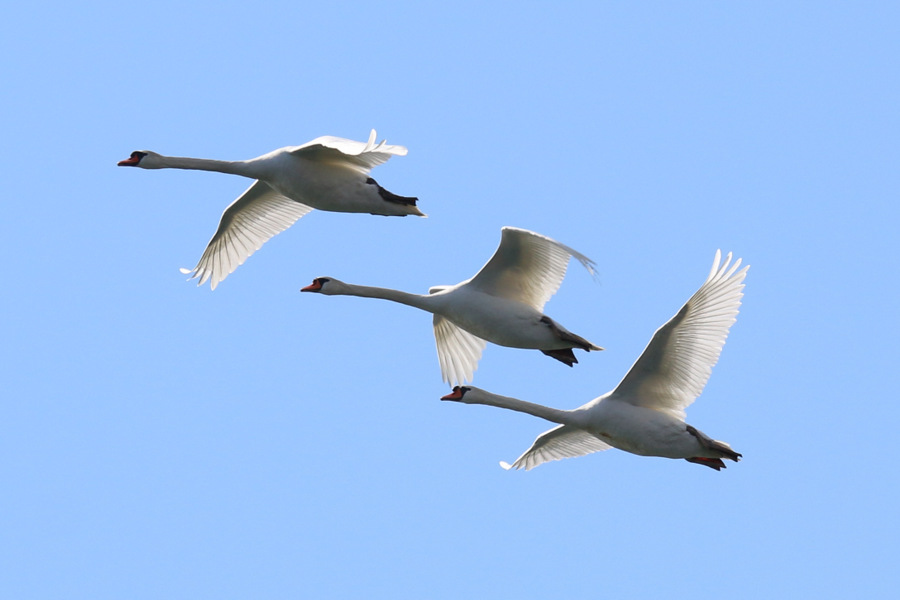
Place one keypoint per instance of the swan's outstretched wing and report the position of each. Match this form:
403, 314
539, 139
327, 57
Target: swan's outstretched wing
249, 222
675, 366
362, 156
527, 267
458, 351
563, 441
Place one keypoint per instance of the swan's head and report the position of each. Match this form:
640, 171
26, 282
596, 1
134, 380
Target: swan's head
326, 285
462, 393
141, 158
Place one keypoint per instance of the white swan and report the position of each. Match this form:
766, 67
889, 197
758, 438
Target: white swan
644, 414
502, 303
328, 173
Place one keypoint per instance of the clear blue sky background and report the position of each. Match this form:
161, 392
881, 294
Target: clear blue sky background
163, 441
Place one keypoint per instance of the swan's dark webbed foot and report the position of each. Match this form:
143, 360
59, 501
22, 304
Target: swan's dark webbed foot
564, 355
390, 196
712, 463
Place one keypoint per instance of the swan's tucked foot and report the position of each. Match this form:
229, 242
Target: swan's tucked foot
712, 463
390, 196
714, 445
564, 355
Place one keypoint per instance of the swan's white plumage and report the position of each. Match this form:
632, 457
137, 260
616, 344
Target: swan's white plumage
527, 267
645, 413
458, 350
249, 222
328, 173
676, 364
362, 156
563, 441
502, 303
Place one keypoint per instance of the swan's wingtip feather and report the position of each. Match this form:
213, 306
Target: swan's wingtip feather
185, 271
591, 267
505, 465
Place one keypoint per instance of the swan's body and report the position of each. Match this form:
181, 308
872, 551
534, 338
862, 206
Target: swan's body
502, 303
328, 173
644, 414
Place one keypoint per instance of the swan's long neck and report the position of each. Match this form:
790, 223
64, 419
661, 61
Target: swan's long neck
538, 410
365, 291
239, 167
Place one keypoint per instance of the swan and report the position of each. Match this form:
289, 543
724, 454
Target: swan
502, 303
645, 413
327, 173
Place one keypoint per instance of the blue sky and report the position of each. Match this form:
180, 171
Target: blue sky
164, 441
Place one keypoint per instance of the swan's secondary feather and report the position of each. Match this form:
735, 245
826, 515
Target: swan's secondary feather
250, 221
563, 441
362, 156
458, 351
527, 267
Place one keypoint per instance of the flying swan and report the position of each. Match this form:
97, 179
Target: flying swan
328, 173
502, 303
645, 413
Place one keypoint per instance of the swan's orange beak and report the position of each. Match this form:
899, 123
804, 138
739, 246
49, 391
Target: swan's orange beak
133, 160
315, 286
456, 394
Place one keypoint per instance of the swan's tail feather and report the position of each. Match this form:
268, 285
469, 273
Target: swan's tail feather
567, 336
721, 448
392, 197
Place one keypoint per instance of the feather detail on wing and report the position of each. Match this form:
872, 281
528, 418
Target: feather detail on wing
563, 441
458, 351
674, 368
527, 267
250, 221
362, 156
